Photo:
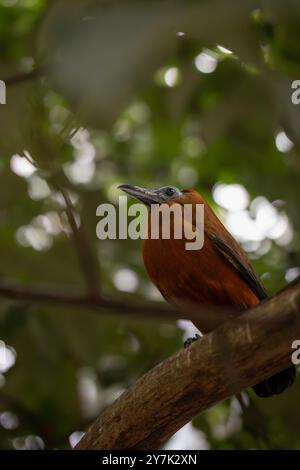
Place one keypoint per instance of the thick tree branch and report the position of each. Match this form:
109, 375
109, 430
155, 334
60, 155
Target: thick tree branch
237, 355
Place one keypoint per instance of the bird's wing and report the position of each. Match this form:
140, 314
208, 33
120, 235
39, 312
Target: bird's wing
244, 269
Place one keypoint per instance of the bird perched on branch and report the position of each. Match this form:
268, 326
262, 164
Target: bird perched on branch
219, 273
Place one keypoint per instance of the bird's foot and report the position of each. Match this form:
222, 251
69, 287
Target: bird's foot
189, 341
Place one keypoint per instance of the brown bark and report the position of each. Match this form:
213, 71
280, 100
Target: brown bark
237, 355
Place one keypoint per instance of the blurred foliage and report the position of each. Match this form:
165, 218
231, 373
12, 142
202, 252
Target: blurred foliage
124, 75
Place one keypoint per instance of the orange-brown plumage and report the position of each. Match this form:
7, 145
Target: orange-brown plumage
200, 276
219, 273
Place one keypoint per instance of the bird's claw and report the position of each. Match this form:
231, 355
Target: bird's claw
189, 341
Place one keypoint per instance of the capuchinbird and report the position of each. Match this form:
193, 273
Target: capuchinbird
217, 274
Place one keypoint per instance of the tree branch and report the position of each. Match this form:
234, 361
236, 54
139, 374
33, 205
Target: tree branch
22, 77
237, 355
208, 317
86, 256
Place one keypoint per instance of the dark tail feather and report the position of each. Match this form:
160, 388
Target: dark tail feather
276, 384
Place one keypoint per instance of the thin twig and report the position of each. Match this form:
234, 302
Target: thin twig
23, 77
209, 317
87, 257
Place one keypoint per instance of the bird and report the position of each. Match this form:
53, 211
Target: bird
219, 273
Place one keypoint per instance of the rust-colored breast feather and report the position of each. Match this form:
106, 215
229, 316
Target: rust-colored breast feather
219, 273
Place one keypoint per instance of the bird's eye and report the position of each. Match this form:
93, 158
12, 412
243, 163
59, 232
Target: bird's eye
170, 192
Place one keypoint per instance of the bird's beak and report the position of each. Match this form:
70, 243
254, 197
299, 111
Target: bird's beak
147, 196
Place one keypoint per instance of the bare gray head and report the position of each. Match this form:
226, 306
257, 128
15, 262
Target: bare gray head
152, 196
